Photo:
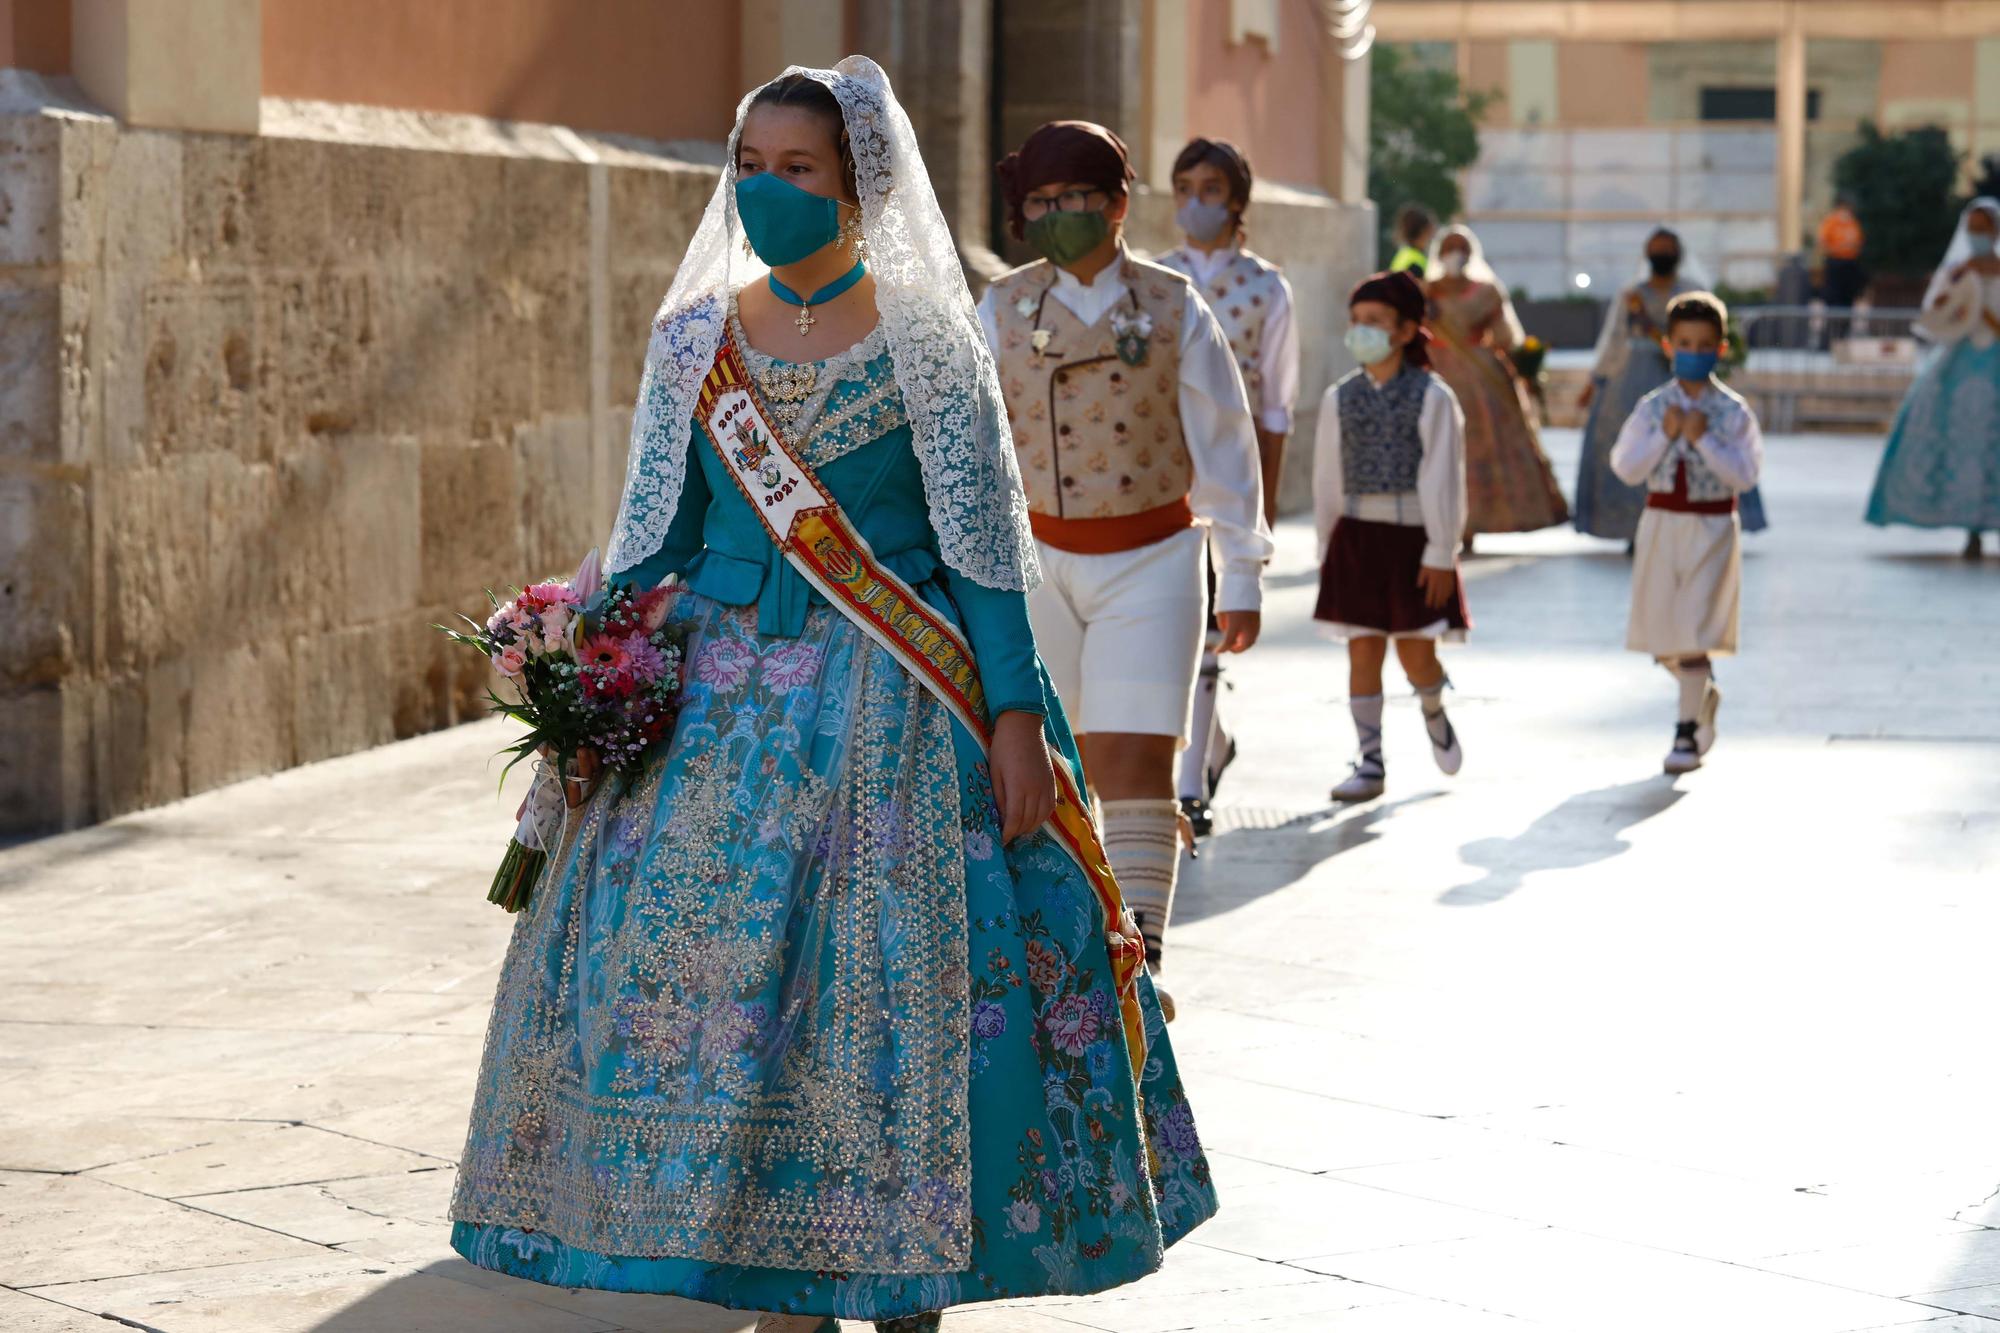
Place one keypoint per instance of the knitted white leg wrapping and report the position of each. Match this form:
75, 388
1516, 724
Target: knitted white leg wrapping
1143, 840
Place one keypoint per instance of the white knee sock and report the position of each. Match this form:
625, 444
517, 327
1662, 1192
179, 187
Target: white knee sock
1367, 710
1694, 683
1143, 840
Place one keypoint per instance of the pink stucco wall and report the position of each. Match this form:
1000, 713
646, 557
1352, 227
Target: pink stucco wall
1267, 104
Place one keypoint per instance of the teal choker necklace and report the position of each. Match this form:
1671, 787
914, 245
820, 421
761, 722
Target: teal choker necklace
805, 321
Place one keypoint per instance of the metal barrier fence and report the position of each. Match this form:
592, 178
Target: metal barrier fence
1816, 366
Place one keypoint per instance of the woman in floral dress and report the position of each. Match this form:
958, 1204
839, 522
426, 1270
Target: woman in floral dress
1509, 484
813, 1016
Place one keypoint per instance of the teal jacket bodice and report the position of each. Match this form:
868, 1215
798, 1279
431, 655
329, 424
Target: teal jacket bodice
863, 453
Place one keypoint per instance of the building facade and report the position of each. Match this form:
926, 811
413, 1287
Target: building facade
1721, 117
324, 318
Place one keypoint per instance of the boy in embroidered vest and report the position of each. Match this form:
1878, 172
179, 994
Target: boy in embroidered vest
1389, 499
1695, 446
1136, 447
1252, 301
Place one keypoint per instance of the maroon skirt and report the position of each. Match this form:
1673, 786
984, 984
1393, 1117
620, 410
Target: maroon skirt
1369, 581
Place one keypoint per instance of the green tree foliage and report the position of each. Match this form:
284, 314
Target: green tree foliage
1904, 188
1422, 130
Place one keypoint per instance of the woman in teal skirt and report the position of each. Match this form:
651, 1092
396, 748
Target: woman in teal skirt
813, 1016
1941, 468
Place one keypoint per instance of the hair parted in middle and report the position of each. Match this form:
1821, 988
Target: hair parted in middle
1699, 308
805, 93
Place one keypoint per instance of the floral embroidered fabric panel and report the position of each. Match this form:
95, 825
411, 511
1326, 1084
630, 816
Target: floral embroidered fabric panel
729, 1040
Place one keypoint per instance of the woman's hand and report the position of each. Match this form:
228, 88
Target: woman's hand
581, 780
1024, 781
1437, 585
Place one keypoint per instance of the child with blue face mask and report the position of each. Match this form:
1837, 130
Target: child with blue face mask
1695, 446
1389, 497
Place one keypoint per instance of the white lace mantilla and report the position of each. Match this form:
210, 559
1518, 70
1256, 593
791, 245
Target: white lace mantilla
943, 366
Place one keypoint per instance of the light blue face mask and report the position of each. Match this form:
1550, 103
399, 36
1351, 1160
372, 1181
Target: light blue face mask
1981, 243
1694, 367
1202, 222
783, 222
1369, 344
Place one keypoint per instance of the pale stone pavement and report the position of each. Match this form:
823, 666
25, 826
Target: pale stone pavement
1558, 1044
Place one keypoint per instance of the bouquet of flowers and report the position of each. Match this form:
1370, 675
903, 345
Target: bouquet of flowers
1529, 359
589, 665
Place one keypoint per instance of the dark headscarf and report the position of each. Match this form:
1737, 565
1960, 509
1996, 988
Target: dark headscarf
1063, 150
1405, 295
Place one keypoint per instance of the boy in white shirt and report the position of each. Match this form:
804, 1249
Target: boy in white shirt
1695, 446
1138, 450
1252, 301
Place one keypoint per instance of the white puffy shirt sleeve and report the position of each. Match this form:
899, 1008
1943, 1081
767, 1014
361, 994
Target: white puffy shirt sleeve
1441, 476
1222, 443
1278, 364
1329, 482
1735, 452
1641, 444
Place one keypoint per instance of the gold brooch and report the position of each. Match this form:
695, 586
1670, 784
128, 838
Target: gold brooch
788, 384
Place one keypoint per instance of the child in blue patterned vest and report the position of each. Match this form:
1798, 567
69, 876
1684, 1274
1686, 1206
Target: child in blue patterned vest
1389, 496
1695, 447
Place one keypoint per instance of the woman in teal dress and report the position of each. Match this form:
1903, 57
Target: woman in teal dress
1941, 465
811, 1017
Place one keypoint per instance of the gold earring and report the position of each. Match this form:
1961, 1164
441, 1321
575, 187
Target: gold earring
747, 251
851, 237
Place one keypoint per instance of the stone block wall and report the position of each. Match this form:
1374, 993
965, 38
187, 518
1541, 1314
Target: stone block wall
272, 407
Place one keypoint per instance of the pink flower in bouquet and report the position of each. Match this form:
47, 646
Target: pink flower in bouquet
643, 660
556, 625
606, 655
543, 595
589, 577
653, 607
510, 660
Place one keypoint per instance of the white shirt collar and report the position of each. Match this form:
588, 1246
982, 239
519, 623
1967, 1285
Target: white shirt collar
1205, 266
1111, 275
1090, 301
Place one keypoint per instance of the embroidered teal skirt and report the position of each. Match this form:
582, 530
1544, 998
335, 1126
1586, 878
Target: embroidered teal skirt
789, 1030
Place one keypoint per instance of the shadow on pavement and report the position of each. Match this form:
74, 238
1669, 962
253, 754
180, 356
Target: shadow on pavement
452, 1297
1241, 864
1583, 830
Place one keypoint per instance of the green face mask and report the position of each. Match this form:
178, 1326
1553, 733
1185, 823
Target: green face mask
1064, 238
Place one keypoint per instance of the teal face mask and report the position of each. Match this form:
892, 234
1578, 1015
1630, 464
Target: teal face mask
1064, 238
783, 222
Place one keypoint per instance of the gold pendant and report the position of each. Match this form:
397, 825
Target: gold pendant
805, 321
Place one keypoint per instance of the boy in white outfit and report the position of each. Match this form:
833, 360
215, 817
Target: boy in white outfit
1137, 451
1695, 446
